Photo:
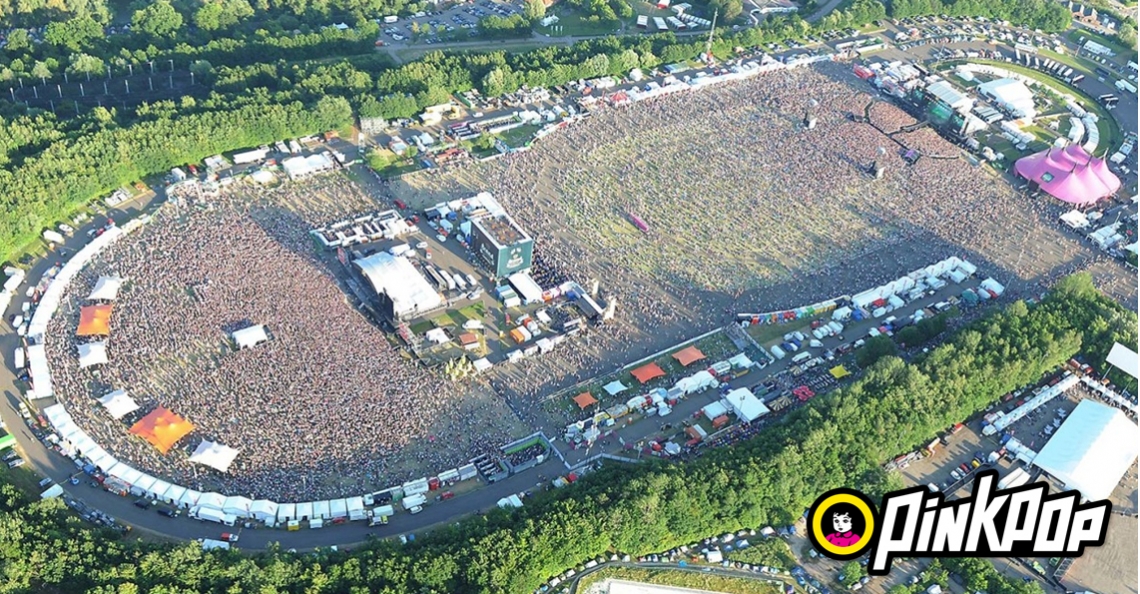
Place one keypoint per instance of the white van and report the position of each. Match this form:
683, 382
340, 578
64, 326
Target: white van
801, 357
20, 362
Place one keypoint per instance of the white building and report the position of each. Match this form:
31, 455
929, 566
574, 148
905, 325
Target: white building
1091, 451
1011, 95
946, 93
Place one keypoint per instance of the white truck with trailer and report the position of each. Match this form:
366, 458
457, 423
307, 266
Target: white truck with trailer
210, 514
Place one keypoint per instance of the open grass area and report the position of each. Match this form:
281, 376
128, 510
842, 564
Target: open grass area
518, 137
23, 478
681, 578
1078, 64
765, 333
572, 23
1079, 36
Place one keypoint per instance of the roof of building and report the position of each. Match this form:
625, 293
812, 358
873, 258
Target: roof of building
948, 94
1091, 451
1069, 174
1011, 94
502, 229
397, 278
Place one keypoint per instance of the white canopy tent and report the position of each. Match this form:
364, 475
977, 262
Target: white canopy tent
92, 353
1123, 358
250, 337
144, 483
158, 489
746, 405
106, 289
1091, 451
263, 510
237, 505
286, 512
338, 508
212, 500
214, 455
118, 404
305, 510
174, 494
321, 509
41, 374
615, 387
189, 498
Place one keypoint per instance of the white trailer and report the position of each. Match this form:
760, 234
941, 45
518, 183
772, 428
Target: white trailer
413, 501
1008, 481
250, 156
53, 237
209, 544
210, 514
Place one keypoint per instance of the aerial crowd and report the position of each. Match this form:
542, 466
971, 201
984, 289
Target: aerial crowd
747, 210
328, 406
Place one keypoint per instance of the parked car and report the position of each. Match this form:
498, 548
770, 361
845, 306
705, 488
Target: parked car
229, 537
170, 513
142, 503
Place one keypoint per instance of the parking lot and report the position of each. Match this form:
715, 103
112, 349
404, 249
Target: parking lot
459, 23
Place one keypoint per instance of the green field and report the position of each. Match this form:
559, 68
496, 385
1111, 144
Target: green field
1079, 36
518, 137
571, 23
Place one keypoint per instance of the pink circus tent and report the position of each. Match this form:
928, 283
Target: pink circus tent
1069, 174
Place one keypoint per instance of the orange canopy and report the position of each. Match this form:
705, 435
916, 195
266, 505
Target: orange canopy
162, 428
645, 373
94, 320
585, 400
688, 355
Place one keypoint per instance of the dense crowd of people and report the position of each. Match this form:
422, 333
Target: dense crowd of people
747, 212
328, 406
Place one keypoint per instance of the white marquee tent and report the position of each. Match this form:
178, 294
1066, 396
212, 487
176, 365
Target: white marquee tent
41, 374
106, 289
237, 505
214, 455
615, 387
286, 512
118, 404
746, 405
212, 500
92, 353
1123, 358
264, 510
1091, 451
250, 337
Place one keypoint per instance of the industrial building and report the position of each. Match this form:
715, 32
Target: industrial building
501, 244
946, 93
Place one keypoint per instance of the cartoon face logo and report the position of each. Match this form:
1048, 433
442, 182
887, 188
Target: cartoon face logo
840, 523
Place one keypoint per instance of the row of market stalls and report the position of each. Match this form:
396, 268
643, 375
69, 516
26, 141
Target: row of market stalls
660, 401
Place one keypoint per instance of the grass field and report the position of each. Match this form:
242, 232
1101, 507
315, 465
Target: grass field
1079, 36
571, 23
680, 578
518, 137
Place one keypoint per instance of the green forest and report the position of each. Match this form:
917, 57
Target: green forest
838, 439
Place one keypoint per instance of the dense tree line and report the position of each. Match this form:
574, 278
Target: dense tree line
1046, 15
838, 439
68, 171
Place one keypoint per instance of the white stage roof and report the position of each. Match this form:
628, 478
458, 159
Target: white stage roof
118, 404
214, 455
250, 337
106, 289
1091, 451
397, 278
92, 353
1011, 94
296, 167
527, 288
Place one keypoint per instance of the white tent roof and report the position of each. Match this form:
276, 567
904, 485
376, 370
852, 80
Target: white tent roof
321, 509
263, 509
159, 488
714, 410
1011, 94
301, 166
397, 278
746, 405
304, 510
437, 335
250, 337
212, 500
615, 387
481, 365
237, 505
1123, 358
106, 289
338, 508
1091, 451
214, 455
527, 288
92, 353
118, 404
286, 512
132, 476
189, 498
41, 374
175, 493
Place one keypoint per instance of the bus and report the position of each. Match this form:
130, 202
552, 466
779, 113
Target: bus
1076, 79
1103, 71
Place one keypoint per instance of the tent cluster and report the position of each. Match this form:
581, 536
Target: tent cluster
1069, 174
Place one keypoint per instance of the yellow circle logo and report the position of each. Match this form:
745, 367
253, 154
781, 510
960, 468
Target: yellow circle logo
841, 524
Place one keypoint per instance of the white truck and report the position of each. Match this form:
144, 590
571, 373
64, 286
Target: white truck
53, 237
414, 503
1014, 479
210, 514
1126, 86
209, 544
391, 19
379, 515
